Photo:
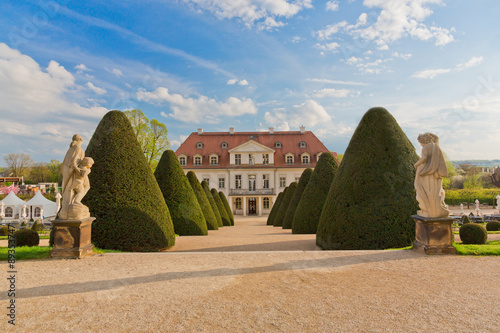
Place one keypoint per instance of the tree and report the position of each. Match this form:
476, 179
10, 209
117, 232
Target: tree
274, 210
292, 207
213, 204
280, 215
18, 164
124, 197
203, 201
372, 197
473, 181
308, 212
151, 135
184, 208
222, 210
55, 175
39, 173
226, 205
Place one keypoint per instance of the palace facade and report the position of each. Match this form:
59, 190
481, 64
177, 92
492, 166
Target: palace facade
250, 168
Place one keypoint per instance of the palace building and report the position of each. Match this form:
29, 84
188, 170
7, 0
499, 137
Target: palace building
250, 168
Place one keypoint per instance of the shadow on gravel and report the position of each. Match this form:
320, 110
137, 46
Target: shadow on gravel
293, 245
100, 285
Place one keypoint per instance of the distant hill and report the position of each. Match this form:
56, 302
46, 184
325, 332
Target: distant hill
481, 163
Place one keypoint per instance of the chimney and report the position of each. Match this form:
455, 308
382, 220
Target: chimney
231, 130
200, 131
302, 129
271, 130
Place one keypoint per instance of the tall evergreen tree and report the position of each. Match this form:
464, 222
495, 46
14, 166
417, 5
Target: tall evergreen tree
274, 210
203, 201
222, 210
292, 207
372, 198
226, 205
278, 220
124, 197
211, 199
306, 218
184, 208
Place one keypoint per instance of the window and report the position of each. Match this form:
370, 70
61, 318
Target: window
305, 159
224, 145
197, 160
9, 212
182, 160
199, 145
265, 182
265, 159
251, 159
251, 182
222, 182
237, 181
265, 203
237, 203
302, 144
282, 181
289, 159
237, 159
37, 212
213, 160
277, 145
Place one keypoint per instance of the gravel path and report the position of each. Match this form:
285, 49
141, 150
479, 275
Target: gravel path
256, 278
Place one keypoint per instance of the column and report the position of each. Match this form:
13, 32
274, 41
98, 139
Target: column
244, 199
259, 203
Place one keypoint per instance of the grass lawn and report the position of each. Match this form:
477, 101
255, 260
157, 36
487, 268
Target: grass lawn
38, 252
491, 248
44, 236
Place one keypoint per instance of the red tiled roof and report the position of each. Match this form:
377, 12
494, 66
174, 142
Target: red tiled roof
290, 143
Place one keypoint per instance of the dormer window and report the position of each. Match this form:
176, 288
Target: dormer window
199, 145
302, 144
197, 160
224, 145
277, 145
289, 159
214, 160
182, 160
306, 158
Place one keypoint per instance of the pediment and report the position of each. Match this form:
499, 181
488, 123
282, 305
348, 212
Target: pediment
252, 146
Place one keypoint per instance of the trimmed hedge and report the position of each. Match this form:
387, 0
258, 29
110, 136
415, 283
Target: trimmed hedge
280, 215
274, 210
473, 233
294, 203
465, 219
26, 237
184, 208
222, 210
485, 196
4, 231
493, 226
124, 197
206, 208
372, 197
213, 204
227, 207
308, 212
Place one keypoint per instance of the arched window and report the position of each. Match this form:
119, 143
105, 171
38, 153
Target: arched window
214, 160
9, 212
302, 144
199, 145
237, 203
305, 159
277, 145
182, 160
37, 212
289, 159
224, 145
197, 160
265, 203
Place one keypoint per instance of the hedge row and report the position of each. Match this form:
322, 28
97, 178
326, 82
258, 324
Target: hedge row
485, 196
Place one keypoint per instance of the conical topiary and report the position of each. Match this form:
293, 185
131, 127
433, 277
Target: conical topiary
213, 204
222, 210
184, 208
372, 197
280, 215
306, 218
124, 197
274, 210
206, 208
227, 207
292, 207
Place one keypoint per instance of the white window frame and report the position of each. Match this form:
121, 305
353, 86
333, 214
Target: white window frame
237, 181
197, 158
305, 155
183, 160
265, 159
266, 203
222, 182
237, 159
265, 181
289, 159
238, 203
212, 158
282, 181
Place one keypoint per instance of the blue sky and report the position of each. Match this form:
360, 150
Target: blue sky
250, 64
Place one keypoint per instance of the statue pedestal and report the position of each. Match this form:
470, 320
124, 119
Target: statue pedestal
433, 235
72, 238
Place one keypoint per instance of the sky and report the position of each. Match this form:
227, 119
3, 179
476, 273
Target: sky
251, 65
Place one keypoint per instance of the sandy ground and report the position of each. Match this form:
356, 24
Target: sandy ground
256, 278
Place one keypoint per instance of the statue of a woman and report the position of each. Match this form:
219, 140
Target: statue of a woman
428, 182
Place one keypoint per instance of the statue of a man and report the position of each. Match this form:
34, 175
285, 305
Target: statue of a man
431, 167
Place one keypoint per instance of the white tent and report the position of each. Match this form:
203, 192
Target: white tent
12, 206
39, 203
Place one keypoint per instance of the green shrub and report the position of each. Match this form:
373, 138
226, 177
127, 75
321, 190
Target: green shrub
226, 206
26, 237
203, 201
124, 197
37, 226
213, 204
372, 197
274, 210
465, 219
485, 196
222, 210
280, 215
179, 196
292, 207
4, 231
473, 233
493, 226
308, 212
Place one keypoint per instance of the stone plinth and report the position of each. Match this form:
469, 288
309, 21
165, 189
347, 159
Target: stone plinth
433, 235
72, 238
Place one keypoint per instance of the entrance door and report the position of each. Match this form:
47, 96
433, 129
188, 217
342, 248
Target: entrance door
252, 206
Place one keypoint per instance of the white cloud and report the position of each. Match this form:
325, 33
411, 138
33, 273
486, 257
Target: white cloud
431, 73
296, 39
116, 72
243, 83
353, 60
329, 47
330, 92
196, 110
97, 90
474, 61
329, 31
332, 5
353, 83
310, 113
82, 68
232, 82
406, 56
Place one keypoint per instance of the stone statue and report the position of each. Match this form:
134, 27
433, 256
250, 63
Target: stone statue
477, 207
428, 182
75, 169
498, 201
